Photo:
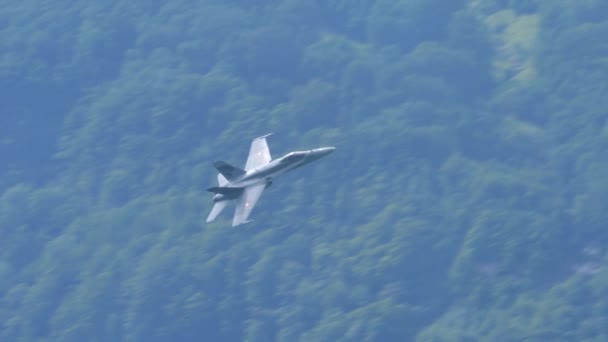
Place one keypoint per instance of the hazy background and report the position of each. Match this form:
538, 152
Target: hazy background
467, 200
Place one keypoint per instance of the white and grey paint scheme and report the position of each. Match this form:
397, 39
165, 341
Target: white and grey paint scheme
245, 186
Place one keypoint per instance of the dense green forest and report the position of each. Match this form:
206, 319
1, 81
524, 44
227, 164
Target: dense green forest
466, 200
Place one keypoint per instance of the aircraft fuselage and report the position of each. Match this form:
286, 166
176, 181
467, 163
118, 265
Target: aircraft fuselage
245, 186
279, 166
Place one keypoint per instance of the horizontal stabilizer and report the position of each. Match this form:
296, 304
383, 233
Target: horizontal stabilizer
228, 171
225, 190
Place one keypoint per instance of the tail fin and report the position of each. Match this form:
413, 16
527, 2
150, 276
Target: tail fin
216, 210
221, 180
228, 171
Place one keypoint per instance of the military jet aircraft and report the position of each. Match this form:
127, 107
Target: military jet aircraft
245, 186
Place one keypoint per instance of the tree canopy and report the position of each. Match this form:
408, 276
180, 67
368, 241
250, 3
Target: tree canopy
465, 201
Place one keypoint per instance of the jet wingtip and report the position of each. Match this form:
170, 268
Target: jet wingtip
264, 136
210, 218
242, 223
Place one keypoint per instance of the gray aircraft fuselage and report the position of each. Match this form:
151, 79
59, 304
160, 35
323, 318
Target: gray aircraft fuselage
267, 173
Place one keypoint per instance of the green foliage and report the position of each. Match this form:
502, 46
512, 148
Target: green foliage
466, 200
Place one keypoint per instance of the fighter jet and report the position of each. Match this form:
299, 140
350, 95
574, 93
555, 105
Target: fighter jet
245, 186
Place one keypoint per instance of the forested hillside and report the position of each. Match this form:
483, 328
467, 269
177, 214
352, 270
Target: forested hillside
466, 200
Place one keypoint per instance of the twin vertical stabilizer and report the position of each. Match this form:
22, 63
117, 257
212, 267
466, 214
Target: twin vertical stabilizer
228, 171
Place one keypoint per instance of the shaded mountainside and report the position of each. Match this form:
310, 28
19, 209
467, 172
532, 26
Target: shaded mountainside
465, 202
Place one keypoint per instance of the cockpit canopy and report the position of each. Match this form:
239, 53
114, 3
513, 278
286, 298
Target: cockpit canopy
293, 157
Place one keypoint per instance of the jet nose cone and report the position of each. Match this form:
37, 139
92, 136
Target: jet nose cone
325, 150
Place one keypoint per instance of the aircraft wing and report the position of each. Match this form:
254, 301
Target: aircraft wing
259, 153
246, 202
216, 210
